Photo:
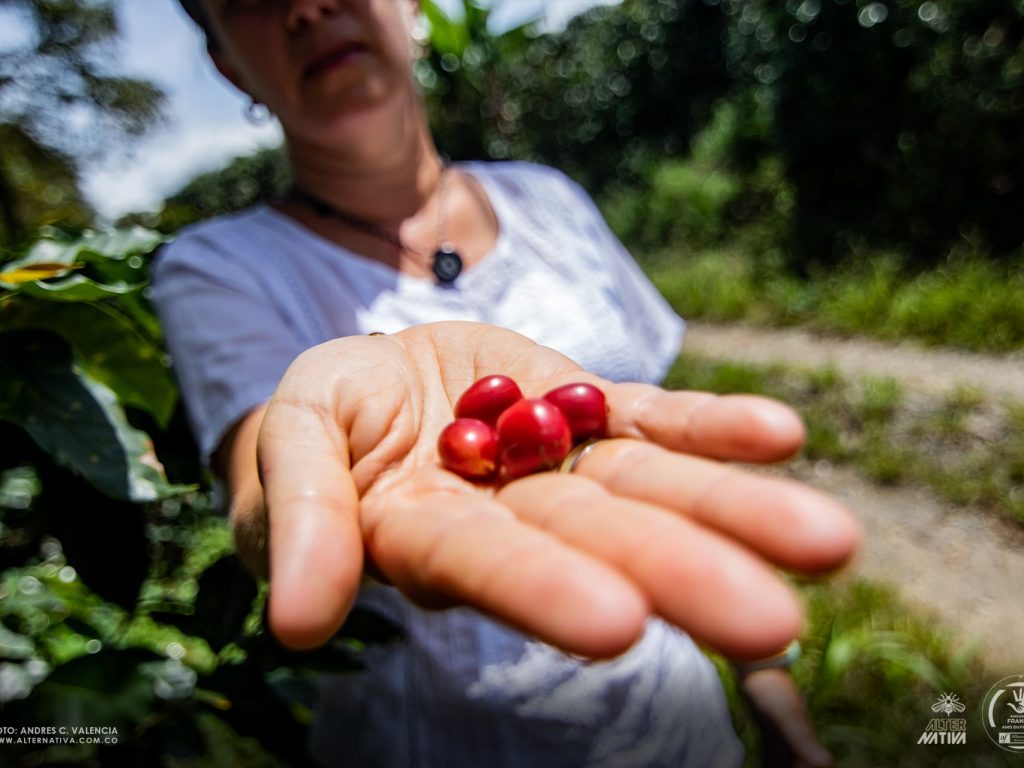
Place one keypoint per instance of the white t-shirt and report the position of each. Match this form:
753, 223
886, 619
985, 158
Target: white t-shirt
242, 295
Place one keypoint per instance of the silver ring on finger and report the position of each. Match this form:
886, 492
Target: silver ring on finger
570, 462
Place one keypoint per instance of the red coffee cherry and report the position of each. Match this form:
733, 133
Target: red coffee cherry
584, 407
469, 448
533, 435
487, 398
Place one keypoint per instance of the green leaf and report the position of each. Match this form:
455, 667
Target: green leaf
108, 689
253, 708
446, 34
76, 419
224, 601
110, 348
116, 244
91, 247
15, 646
76, 288
31, 272
138, 308
475, 19
109, 253
103, 539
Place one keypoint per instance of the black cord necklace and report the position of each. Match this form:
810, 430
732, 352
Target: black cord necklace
446, 264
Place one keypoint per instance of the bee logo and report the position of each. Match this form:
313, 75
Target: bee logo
948, 703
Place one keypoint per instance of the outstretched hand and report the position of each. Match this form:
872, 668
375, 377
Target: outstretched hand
651, 522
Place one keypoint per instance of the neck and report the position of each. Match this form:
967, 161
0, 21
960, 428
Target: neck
383, 170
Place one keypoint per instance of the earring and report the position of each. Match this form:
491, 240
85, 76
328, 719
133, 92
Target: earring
258, 113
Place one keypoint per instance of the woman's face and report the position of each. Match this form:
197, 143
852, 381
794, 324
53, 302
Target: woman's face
315, 62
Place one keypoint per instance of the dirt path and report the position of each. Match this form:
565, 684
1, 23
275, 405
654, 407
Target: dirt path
926, 370
968, 569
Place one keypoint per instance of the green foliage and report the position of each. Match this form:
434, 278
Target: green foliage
74, 418
966, 448
466, 92
884, 125
801, 131
634, 77
59, 67
870, 671
720, 195
897, 120
684, 204
121, 603
38, 186
967, 302
245, 181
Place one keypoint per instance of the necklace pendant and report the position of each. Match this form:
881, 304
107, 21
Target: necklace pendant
447, 264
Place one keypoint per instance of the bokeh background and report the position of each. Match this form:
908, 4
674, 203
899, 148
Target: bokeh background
845, 170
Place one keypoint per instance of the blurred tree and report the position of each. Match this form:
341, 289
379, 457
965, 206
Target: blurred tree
60, 105
899, 121
243, 182
621, 88
38, 186
466, 88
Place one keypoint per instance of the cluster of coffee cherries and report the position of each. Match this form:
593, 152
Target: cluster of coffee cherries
500, 435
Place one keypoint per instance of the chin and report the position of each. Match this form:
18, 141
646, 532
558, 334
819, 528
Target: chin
356, 117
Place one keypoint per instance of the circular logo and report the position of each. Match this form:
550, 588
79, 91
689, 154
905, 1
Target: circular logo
1003, 713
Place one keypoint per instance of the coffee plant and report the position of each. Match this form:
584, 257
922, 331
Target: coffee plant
122, 606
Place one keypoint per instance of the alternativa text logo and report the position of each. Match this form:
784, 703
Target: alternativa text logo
946, 730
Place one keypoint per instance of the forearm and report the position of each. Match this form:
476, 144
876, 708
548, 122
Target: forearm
787, 734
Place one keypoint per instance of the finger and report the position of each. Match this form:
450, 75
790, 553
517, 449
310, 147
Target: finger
316, 552
786, 522
471, 548
715, 590
730, 427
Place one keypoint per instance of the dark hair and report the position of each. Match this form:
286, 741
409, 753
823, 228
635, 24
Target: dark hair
194, 8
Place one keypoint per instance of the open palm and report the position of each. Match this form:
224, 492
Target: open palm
652, 522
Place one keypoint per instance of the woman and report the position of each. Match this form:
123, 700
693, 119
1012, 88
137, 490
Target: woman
326, 437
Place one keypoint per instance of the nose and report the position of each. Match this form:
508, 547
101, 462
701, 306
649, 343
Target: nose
305, 13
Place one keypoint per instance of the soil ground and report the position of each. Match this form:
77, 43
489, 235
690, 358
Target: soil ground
965, 567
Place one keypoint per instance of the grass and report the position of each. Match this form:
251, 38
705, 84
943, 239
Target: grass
968, 303
965, 448
870, 672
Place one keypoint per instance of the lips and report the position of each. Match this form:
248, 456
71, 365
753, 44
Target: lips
334, 57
